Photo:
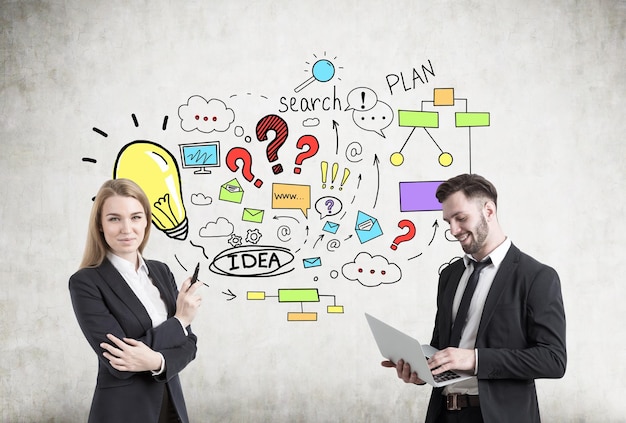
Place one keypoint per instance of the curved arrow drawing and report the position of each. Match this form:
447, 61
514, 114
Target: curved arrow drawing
335, 126
376, 161
284, 217
435, 225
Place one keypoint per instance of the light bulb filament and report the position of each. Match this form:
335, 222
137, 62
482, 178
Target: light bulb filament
163, 205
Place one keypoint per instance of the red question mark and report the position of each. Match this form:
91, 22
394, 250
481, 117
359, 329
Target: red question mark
239, 153
404, 237
278, 125
311, 142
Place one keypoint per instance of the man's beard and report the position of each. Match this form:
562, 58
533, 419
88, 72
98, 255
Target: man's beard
479, 235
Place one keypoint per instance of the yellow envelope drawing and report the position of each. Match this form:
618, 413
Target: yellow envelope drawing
252, 215
231, 191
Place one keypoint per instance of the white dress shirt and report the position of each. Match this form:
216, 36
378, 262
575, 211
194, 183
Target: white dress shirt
141, 284
149, 295
475, 311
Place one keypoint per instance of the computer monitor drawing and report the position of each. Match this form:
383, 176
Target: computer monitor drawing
200, 155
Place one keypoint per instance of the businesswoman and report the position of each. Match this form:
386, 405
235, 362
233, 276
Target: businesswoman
132, 314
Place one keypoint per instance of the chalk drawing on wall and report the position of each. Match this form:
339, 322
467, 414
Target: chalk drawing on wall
323, 70
371, 271
277, 125
205, 115
200, 199
105, 134
242, 219
291, 196
235, 240
334, 171
240, 158
221, 227
367, 227
155, 170
312, 147
200, 156
252, 215
253, 261
419, 196
427, 119
407, 236
253, 236
369, 113
354, 150
328, 206
301, 296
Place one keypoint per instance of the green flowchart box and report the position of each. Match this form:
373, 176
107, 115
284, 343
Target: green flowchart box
468, 119
298, 295
418, 119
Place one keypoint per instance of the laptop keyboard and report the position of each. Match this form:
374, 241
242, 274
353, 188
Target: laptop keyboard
445, 376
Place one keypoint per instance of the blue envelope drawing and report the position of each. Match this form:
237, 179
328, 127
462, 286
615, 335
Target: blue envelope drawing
331, 227
312, 262
367, 227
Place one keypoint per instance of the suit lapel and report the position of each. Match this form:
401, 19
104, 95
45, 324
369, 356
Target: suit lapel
120, 287
160, 281
500, 282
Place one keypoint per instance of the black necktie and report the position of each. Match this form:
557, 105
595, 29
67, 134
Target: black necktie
461, 314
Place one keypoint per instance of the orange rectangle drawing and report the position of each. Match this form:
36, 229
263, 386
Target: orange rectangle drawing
443, 97
301, 317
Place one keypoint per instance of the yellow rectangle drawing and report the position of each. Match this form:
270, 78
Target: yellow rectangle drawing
256, 295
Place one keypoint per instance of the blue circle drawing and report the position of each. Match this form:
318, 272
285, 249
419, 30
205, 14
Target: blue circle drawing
323, 70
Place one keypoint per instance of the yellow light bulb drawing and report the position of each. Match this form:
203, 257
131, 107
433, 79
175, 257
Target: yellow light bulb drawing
154, 169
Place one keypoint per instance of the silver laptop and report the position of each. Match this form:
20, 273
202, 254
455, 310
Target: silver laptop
395, 345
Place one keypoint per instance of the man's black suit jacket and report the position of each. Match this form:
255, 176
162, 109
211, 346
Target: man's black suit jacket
521, 337
104, 303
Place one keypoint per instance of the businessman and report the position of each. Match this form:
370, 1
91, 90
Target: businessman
505, 325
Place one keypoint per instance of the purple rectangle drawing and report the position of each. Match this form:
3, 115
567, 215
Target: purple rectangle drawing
419, 196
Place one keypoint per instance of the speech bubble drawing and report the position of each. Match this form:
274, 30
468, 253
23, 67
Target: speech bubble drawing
376, 119
362, 99
205, 115
291, 196
371, 271
328, 206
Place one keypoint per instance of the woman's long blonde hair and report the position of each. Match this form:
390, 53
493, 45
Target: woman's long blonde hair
96, 247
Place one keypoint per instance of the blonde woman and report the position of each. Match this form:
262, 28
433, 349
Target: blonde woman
132, 314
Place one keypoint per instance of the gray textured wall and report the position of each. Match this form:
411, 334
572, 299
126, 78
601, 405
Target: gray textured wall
550, 74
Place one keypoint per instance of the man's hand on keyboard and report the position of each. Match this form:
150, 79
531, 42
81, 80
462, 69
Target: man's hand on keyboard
452, 359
